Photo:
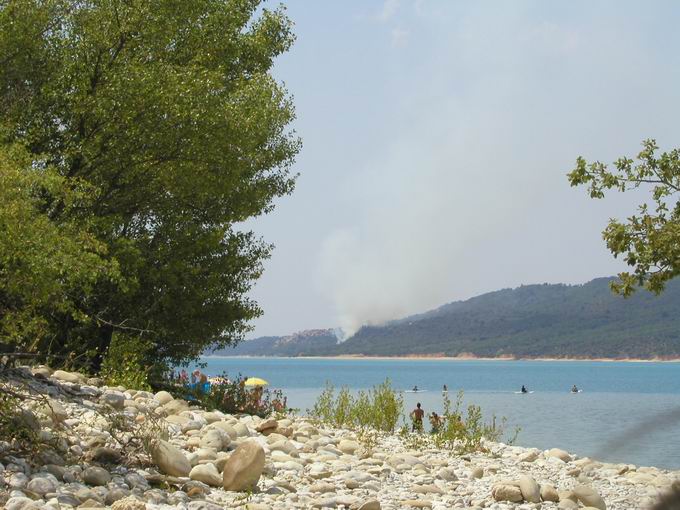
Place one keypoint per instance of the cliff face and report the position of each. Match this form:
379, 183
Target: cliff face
562, 321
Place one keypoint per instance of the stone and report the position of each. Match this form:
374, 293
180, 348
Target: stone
215, 439
506, 493
371, 504
114, 399
244, 467
91, 503
447, 474
163, 397
558, 454
477, 472
105, 455
96, 476
206, 473
348, 447
589, 497
41, 486
176, 406
266, 425
55, 411
129, 503
170, 460
322, 487
241, 430
417, 503
530, 490
549, 493
115, 494
567, 504
529, 456
72, 377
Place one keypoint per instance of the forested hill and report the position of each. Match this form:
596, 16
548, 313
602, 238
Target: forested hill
571, 321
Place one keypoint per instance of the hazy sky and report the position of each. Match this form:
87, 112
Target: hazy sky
437, 136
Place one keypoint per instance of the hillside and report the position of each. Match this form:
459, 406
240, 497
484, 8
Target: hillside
570, 321
314, 342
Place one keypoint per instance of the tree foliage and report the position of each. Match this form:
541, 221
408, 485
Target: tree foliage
46, 266
166, 112
649, 241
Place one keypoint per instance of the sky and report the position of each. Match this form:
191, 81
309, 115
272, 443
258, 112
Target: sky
437, 135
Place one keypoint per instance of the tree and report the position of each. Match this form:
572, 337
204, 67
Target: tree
44, 265
649, 240
167, 111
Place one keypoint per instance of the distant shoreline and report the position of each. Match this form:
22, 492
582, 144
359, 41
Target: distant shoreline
425, 357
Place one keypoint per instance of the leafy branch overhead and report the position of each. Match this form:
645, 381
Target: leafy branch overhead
649, 240
164, 121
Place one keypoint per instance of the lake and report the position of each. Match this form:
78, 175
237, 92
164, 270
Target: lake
627, 412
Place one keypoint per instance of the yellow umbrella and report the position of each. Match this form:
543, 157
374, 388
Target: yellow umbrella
255, 381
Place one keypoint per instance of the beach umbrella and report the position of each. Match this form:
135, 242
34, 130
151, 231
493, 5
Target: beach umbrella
255, 381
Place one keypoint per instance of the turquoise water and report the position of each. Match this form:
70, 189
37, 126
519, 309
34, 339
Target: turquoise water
627, 412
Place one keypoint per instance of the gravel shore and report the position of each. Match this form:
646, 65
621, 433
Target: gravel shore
210, 460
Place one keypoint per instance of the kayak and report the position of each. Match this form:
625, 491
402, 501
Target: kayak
414, 391
523, 392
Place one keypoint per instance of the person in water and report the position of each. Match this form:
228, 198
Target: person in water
417, 417
445, 389
574, 389
415, 388
524, 390
435, 422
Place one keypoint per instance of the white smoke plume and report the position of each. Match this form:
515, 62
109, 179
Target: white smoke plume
472, 188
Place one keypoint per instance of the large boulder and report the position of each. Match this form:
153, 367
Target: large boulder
531, 492
170, 460
589, 497
244, 468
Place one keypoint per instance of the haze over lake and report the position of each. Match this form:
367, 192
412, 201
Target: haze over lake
600, 422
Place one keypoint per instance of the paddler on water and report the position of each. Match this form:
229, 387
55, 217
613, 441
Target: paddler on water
574, 389
415, 388
524, 390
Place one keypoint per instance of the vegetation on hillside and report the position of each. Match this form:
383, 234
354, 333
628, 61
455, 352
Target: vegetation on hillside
134, 136
532, 321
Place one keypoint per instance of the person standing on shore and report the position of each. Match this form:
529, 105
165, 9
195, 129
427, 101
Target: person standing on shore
417, 417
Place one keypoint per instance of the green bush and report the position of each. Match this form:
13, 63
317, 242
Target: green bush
379, 408
124, 363
234, 397
464, 432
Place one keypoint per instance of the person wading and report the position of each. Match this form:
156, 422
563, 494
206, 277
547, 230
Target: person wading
417, 417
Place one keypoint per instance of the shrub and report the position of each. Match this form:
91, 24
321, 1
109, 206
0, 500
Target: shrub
379, 408
233, 396
124, 363
464, 432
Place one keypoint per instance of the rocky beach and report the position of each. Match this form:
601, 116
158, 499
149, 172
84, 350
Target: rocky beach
199, 460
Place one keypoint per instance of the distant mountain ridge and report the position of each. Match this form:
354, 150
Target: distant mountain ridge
531, 321
312, 342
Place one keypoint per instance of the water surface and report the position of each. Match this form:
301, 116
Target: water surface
627, 412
